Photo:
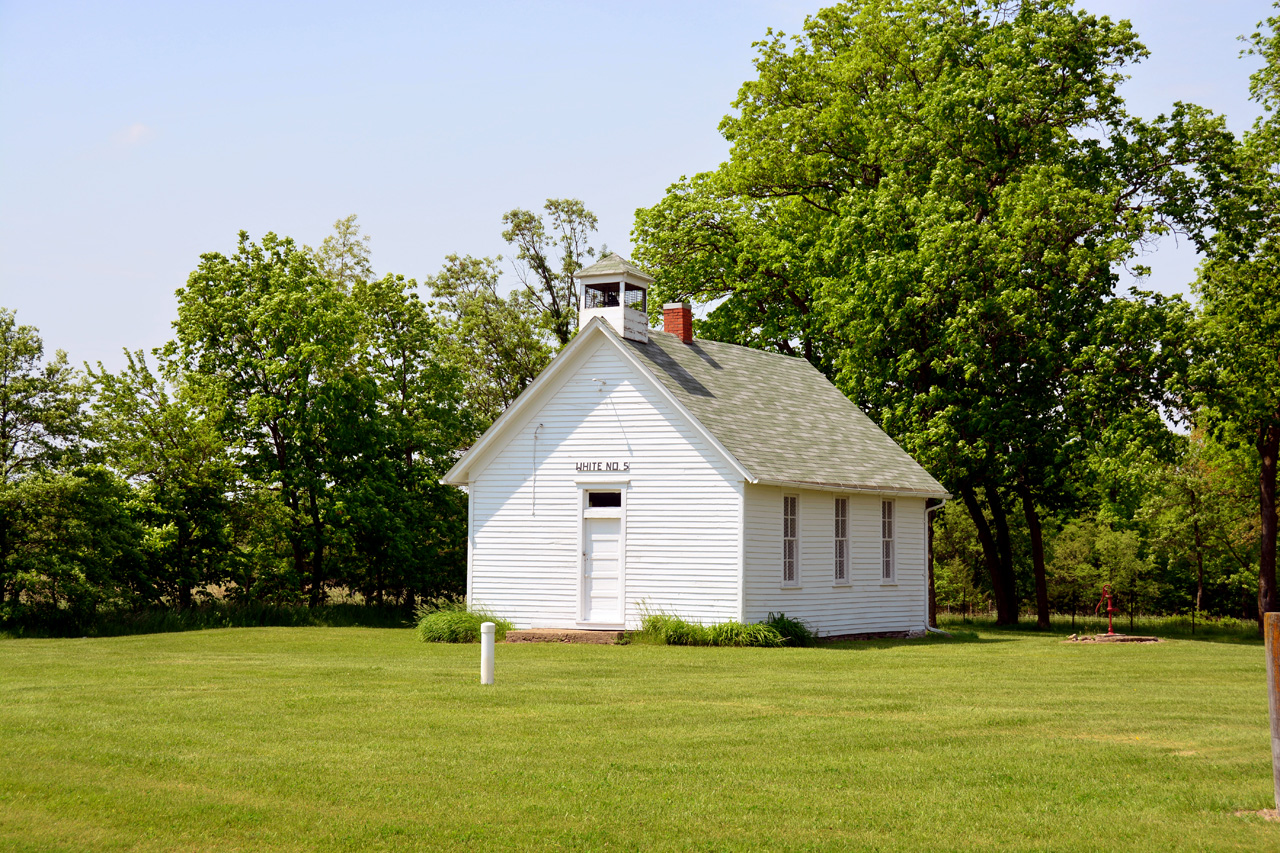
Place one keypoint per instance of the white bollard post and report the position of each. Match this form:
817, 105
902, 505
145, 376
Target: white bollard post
486, 652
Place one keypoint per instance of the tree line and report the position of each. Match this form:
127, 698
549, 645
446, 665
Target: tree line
930, 200
287, 443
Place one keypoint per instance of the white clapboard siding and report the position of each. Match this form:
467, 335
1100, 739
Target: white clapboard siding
866, 604
683, 504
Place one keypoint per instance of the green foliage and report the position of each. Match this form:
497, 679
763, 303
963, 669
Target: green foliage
668, 630
447, 619
737, 634
792, 631
928, 199
549, 289
74, 548
492, 340
209, 615
1237, 381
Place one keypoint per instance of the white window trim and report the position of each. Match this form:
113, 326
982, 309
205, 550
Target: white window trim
782, 569
892, 579
847, 580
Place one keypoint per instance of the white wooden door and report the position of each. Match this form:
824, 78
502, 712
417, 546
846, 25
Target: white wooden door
601, 575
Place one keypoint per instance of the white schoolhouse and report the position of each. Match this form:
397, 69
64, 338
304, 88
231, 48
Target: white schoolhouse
647, 470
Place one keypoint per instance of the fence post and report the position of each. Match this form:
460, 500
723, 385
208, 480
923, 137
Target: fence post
486, 652
1272, 622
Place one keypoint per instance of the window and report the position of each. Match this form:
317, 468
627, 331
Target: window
886, 540
842, 541
601, 500
790, 540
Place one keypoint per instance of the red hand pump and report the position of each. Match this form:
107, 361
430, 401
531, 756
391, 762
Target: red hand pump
1106, 598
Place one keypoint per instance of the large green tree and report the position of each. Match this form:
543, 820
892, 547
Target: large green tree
276, 338
408, 530
929, 199
1239, 290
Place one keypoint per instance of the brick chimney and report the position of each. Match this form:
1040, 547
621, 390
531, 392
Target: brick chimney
677, 318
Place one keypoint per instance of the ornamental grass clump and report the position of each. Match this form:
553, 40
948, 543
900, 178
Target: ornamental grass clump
448, 620
668, 630
737, 634
793, 631
672, 630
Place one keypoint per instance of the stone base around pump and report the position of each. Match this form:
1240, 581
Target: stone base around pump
1111, 638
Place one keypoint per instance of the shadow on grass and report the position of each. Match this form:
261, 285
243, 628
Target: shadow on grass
1227, 631
965, 637
159, 620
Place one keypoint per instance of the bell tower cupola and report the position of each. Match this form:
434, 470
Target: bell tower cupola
615, 290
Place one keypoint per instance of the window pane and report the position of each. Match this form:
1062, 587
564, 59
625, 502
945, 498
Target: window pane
604, 499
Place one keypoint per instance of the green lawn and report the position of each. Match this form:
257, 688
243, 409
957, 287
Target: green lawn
365, 739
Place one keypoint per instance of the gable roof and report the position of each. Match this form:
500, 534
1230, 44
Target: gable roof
781, 418
776, 419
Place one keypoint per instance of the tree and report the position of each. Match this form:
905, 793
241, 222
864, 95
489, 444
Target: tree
343, 257
929, 198
548, 282
41, 405
171, 446
409, 530
1198, 518
492, 340
41, 425
72, 548
1239, 291
276, 337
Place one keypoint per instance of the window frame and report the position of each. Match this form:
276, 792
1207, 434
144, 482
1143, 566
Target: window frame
840, 573
794, 541
888, 541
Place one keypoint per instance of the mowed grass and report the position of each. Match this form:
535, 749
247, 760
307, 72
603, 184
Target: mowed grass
366, 739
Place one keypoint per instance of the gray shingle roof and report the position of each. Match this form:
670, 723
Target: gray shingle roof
781, 418
613, 264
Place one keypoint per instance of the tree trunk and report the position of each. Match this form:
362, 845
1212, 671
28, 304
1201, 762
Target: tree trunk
1037, 556
933, 596
317, 551
1268, 448
1195, 611
1005, 546
991, 556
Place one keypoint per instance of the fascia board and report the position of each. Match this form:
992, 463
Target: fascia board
527, 399
675, 403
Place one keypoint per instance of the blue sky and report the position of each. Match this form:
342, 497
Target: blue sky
135, 136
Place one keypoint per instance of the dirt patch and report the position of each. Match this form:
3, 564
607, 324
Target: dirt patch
546, 635
1266, 814
1111, 638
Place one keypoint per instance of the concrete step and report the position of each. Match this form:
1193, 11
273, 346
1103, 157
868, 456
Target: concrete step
556, 635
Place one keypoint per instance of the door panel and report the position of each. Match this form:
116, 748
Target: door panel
601, 581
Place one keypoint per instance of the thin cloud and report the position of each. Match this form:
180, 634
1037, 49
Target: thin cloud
133, 136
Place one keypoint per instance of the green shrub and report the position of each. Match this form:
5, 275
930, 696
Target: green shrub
737, 634
447, 620
673, 631
793, 631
